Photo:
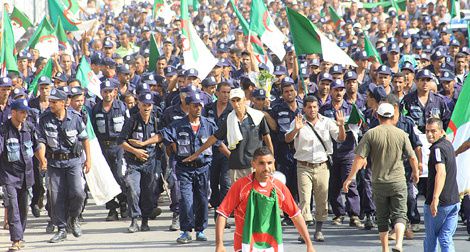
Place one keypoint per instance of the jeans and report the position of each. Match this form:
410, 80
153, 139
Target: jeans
442, 227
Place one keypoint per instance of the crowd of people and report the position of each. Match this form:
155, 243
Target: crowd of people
211, 143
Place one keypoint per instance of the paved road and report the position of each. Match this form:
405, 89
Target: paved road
99, 235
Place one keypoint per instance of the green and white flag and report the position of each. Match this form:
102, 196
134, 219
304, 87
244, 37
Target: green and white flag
195, 53
8, 51
309, 39
355, 120
44, 39
262, 25
100, 179
154, 54
63, 40
335, 17
458, 132
454, 8
67, 11
163, 10
88, 78
46, 71
20, 23
371, 50
262, 230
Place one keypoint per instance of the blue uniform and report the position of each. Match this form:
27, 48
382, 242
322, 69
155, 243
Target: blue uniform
5, 114
435, 107
284, 152
107, 126
140, 175
192, 177
64, 166
219, 178
16, 173
451, 101
343, 156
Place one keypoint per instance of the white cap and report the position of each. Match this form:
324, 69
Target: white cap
237, 93
386, 110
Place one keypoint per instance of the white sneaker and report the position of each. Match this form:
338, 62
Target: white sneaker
415, 227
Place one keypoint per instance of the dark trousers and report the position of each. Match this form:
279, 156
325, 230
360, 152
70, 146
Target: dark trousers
113, 156
16, 202
38, 187
338, 174
194, 186
219, 179
412, 204
364, 176
141, 182
67, 193
175, 194
288, 166
466, 211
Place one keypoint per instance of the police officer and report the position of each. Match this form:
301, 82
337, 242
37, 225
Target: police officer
64, 135
17, 146
140, 158
108, 117
323, 93
186, 136
5, 90
422, 103
343, 156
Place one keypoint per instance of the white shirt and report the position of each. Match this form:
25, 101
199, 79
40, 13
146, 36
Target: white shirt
308, 147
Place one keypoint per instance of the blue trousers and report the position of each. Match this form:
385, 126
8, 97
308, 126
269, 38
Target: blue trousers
219, 178
194, 187
175, 194
16, 201
67, 193
466, 211
338, 174
141, 183
113, 156
412, 204
442, 227
364, 176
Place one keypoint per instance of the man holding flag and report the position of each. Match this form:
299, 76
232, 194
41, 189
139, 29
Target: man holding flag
259, 198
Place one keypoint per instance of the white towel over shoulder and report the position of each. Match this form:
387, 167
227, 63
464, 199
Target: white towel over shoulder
234, 135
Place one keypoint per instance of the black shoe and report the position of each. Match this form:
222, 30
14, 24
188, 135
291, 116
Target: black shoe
75, 226
300, 239
123, 210
145, 225
287, 222
354, 221
368, 223
60, 236
112, 215
36, 211
310, 223
50, 227
134, 227
155, 213
227, 225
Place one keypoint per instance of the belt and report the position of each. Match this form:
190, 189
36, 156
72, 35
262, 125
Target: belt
307, 164
108, 143
194, 164
61, 156
133, 157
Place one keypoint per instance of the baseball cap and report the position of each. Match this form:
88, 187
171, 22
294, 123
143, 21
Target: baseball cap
386, 110
17, 92
437, 55
194, 98
259, 93
5, 82
57, 94
108, 84
148, 79
287, 81
325, 76
237, 93
350, 75
20, 104
336, 69
146, 97
170, 71
425, 73
280, 70
393, 48
109, 62
60, 77
209, 81
447, 76
191, 73
124, 69
66, 89
408, 66
383, 69
76, 91
337, 84
379, 93
108, 44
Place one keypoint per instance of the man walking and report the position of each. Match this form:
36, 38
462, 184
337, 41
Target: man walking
442, 204
386, 145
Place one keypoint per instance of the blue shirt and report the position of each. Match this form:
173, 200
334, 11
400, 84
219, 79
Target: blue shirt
171, 114
108, 125
187, 141
58, 136
16, 154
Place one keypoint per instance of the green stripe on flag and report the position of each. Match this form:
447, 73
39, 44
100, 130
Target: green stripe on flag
46, 71
154, 54
8, 54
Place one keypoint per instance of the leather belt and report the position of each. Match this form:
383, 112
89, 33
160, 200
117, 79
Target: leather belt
108, 143
194, 164
61, 156
307, 164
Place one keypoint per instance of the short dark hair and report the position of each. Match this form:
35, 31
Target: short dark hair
309, 98
399, 75
223, 84
392, 99
261, 151
74, 80
434, 120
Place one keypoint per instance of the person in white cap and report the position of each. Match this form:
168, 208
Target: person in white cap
386, 145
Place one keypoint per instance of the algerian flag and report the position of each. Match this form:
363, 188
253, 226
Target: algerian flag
157, 8
262, 229
262, 25
371, 50
458, 132
335, 18
88, 78
454, 8
355, 120
195, 53
398, 7
99, 179
308, 39
65, 10
63, 40
154, 54
163, 10
8, 51
20, 23
258, 50
45, 40
46, 71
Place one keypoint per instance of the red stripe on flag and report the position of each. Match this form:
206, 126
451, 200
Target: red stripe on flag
264, 237
453, 128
